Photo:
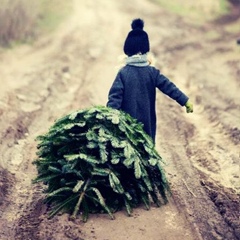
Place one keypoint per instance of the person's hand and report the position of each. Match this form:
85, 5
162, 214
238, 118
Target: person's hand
189, 107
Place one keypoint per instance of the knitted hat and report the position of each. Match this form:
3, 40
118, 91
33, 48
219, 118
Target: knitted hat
137, 39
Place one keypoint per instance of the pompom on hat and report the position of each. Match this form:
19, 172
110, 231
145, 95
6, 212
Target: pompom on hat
137, 39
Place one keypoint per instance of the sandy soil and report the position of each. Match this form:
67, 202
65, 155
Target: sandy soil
73, 68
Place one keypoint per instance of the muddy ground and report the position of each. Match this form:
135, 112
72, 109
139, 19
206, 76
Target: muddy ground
73, 68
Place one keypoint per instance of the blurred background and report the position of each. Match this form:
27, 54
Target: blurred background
22, 21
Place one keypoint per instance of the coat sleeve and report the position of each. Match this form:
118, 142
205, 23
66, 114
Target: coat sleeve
115, 95
170, 89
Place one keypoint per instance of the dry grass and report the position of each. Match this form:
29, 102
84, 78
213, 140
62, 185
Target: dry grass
23, 20
17, 20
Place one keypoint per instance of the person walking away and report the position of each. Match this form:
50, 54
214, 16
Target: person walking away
134, 88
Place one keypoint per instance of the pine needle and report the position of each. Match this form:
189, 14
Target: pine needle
188, 188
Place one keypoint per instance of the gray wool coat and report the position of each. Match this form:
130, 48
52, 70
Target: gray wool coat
134, 91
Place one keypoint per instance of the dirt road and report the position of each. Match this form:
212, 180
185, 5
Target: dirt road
73, 68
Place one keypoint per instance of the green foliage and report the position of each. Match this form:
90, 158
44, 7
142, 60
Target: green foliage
99, 160
197, 11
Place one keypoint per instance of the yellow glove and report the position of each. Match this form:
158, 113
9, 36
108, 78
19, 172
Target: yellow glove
189, 107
